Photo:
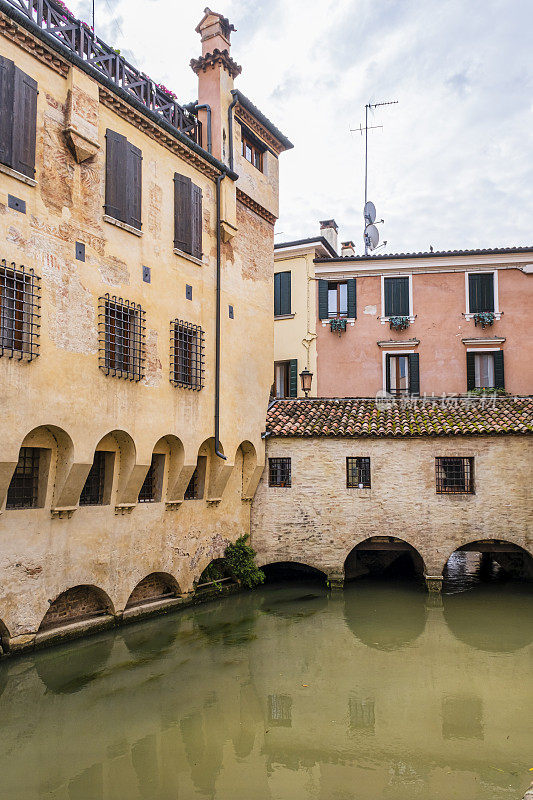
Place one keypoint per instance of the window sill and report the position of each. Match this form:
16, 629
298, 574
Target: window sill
123, 225
189, 257
19, 176
392, 344
488, 340
386, 320
471, 315
284, 316
326, 322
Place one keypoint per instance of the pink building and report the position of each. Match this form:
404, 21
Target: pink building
425, 323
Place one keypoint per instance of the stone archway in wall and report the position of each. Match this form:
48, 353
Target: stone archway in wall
385, 557
76, 604
154, 587
293, 571
488, 560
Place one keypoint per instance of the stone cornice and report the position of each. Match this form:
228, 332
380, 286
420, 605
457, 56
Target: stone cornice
33, 46
130, 114
217, 57
244, 116
254, 206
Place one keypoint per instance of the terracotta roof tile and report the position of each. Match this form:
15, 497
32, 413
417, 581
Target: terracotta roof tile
364, 416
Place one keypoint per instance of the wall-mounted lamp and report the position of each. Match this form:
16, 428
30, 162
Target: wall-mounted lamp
306, 378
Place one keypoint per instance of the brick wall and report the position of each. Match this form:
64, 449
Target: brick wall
156, 585
80, 602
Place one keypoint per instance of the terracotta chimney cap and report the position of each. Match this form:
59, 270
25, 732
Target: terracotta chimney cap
329, 223
349, 243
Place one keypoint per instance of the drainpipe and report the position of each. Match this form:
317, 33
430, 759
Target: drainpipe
204, 107
230, 126
219, 180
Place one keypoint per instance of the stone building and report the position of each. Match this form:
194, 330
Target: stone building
136, 279
351, 486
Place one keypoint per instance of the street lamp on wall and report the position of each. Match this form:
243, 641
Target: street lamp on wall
306, 378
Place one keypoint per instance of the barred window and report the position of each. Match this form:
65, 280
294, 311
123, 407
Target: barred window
191, 492
357, 472
186, 355
279, 472
151, 488
92, 493
121, 326
24, 487
19, 312
454, 475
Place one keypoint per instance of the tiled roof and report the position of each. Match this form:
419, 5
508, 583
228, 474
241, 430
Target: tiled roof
311, 240
486, 251
368, 417
260, 117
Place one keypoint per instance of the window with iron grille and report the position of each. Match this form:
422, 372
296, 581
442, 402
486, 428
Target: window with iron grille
19, 312
151, 488
357, 472
191, 492
121, 327
279, 472
186, 355
92, 493
24, 487
454, 475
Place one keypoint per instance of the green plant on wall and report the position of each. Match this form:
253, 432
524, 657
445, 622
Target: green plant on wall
488, 391
399, 323
240, 562
485, 318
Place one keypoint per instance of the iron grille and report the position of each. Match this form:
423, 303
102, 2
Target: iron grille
186, 355
357, 472
454, 475
191, 492
121, 330
24, 486
147, 493
279, 472
20, 304
92, 493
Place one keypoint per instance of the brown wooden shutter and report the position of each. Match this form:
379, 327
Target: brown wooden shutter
470, 371
196, 219
116, 175
134, 186
182, 213
499, 375
24, 123
387, 372
7, 85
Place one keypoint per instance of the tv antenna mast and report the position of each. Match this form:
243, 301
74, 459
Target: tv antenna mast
370, 232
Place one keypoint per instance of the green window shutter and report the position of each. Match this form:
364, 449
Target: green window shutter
7, 86
414, 374
293, 377
115, 176
196, 221
470, 371
182, 213
387, 372
24, 123
285, 292
133, 186
487, 292
277, 294
396, 297
403, 292
352, 298
323, 300
499, 377
481, 292
388, 287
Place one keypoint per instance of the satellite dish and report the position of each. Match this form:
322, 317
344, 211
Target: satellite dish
372, 236
370, 211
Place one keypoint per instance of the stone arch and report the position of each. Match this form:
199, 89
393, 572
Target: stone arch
76, 604
155, 586
216, 470
293, 571
217, 569
251, 469
125, 478
383, 556
515, 560
172, 448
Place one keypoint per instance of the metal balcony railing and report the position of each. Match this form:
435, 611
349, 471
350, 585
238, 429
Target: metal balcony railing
57, 21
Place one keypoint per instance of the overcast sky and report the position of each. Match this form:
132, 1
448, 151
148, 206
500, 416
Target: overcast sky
452, 166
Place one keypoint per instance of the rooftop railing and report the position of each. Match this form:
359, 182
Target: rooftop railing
57, 21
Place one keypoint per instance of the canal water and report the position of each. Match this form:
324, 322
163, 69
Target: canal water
285, 693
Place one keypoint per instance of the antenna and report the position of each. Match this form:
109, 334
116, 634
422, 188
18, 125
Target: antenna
370, 233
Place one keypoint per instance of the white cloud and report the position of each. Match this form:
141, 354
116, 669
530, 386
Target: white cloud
452, 166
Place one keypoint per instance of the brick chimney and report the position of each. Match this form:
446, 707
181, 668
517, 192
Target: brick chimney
347, 248
329, 229
216, 71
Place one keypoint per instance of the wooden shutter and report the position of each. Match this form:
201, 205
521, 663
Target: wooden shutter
277, 294
24, 123
116, 175
182, 213
414, 374
352, 298
387, 372
285, 292
470, 371
481, 292
293, 377
323, 300
499, 377
196, 221
7, 85
403, 297
133, 185
396, 297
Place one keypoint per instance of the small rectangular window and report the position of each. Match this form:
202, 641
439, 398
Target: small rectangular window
357, 472
186, 355
93, 490
23, 490
151, 489
121, 335
252, 150
399, 375
279, 472
337, 299
454, 475
480, 292
280, 388
18, 118
282, 293
196, 486
484, 370
396, 297
19, 312
123, 183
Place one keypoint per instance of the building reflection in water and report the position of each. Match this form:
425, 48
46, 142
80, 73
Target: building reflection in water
462, 717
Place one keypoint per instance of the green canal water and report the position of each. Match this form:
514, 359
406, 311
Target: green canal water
286, 693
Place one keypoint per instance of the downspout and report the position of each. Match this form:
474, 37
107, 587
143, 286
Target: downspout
204, 107
219, 180
230, 126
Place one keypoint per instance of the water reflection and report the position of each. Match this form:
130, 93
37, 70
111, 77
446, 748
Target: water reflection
68, 669
391, 618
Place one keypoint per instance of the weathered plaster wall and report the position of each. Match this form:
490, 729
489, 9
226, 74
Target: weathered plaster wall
318, 521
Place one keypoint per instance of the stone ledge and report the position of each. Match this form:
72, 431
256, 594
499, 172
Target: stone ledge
73, 630
152, 607
19, 176
189, 257
123, 225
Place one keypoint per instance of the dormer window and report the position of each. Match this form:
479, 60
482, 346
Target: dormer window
252, 150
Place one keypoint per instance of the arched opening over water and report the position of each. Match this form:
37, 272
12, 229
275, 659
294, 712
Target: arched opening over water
216, 571
75, 605
485, 562
384, 557
156, 586
4, 638
293, 571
